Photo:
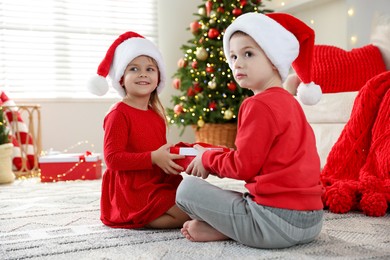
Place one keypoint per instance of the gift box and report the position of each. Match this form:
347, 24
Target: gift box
190, 152
71, 166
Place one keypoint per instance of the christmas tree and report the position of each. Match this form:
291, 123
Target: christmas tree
4, 138
209, 93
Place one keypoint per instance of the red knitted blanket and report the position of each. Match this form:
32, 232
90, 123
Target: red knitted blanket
356, 174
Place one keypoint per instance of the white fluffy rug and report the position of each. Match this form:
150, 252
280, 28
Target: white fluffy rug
61, 221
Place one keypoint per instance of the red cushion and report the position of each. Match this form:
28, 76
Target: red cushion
337, 70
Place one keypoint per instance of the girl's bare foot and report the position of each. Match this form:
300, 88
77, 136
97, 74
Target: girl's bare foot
200, 231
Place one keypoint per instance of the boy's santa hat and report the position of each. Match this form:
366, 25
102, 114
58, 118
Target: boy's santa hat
286, 41
123, 50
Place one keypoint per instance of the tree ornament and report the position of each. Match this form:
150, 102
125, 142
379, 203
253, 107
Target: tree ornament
182, 63
191, 92
201, 11
176, 83
178, 109
212, 105
196, 87
243, 3
201, 54
212, 84
232, 86
228, 114
200, 123
213, 33
237, 11
209, 6
194, 27
194, 65
220, 10
210, 69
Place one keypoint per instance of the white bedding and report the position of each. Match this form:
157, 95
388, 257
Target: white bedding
328, 119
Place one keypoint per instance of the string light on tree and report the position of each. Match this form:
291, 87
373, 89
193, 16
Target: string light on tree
209, 93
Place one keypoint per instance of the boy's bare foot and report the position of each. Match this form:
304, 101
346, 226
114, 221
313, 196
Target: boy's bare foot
200, 231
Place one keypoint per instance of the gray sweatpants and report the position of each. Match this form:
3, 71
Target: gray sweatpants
235, 215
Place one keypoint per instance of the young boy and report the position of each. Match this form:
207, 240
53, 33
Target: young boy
276, 152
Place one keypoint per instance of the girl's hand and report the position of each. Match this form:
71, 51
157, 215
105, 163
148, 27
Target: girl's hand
164, 159
196, 167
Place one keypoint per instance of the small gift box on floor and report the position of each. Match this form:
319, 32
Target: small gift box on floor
190, 152
70, 166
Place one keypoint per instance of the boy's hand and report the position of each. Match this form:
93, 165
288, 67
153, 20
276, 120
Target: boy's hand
164, 159
196, 167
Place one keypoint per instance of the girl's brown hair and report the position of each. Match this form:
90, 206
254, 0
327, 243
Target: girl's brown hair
154, 101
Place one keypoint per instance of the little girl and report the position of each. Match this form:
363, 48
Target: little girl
139, 185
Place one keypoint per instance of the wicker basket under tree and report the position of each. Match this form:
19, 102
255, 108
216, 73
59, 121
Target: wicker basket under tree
217, 134
209, 98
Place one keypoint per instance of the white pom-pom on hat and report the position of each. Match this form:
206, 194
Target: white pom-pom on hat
97, 85
122, 51
309, 94
286, 40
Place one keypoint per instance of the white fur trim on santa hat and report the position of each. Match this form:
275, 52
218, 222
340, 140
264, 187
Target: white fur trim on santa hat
125, 53
280, 45
309, 94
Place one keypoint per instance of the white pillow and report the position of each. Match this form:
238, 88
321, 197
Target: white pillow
380, 36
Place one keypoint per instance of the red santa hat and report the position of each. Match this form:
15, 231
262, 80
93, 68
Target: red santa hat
286, 41
123, 50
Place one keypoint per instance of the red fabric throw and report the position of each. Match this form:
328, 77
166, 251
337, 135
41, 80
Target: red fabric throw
374, 177
337, 70
23, 142
356, 175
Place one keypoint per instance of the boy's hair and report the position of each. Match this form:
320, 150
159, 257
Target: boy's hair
286, 41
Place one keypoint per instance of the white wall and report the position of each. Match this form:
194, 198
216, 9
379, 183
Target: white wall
65, 123
174, 18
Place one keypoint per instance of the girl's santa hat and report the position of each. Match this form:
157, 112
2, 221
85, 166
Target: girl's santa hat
123, 50
286, 41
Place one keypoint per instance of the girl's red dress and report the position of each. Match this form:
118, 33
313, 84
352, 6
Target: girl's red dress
134, 192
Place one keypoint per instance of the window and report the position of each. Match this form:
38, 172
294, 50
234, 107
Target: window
50, 48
